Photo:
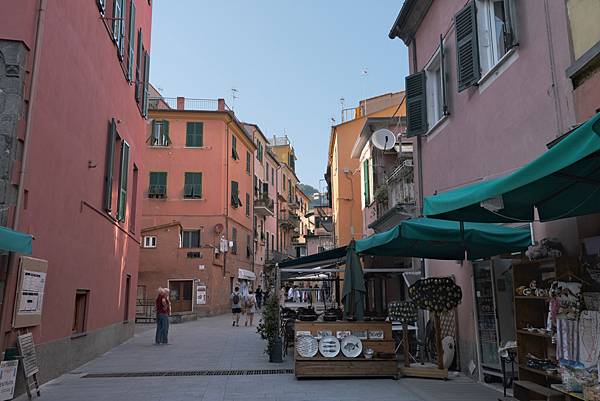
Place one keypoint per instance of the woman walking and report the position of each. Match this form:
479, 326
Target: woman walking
163, 311
250, 304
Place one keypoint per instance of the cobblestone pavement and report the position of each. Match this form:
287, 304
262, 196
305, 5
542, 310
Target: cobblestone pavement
211, 344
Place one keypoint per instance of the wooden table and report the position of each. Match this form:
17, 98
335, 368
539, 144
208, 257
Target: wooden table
569, 396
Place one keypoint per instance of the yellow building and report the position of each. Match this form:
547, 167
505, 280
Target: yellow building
343, 172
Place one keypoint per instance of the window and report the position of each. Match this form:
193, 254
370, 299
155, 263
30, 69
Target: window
366, 182
248, 247
192, 188
138, 68
80, 315
123, 170
234, 153
259, 151
284, 182
194, 135
119, 26
101, 6
109, 167
158, 185
235, 199
149, 241
131, 39
247, 204
248, 159
267, 172
190, 238
234, 240
272, 176
493, 32
435, 89
127, 296
160, 133
144, 106
134, 185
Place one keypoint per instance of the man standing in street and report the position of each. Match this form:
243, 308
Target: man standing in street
258, 294
163, 311
236, 305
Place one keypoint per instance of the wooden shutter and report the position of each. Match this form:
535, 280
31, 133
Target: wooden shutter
367, 178
510, 30
247, 204
130, 60
146, 83
467, 50
138, 68
123, 173
234, 153
121, 41
108, 171
445, 109
416, 104
234, 194
165, 132
101, 5
248, 158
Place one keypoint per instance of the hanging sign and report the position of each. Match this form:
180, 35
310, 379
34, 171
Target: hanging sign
8, 378
30, 294
201, 295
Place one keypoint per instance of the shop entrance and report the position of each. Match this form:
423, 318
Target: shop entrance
181, 295
495, 311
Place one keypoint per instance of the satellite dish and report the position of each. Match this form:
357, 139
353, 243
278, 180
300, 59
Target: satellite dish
383, 139
219, 228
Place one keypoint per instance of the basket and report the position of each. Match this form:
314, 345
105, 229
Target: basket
592, 300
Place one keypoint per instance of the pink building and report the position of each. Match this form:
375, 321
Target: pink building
73, 90
197, 205
487, 92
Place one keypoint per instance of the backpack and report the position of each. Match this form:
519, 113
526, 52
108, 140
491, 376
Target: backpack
250, 302
236, 298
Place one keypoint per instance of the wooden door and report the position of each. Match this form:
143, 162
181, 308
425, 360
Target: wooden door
181, 295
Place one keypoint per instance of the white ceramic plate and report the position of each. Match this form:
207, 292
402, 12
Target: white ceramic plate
329, 346
307, 346
351, 346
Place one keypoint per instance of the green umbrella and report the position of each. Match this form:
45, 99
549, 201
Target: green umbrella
15, 241
446, 240
354, 292
562, 182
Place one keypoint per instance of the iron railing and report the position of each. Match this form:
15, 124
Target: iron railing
157, 191
181, 103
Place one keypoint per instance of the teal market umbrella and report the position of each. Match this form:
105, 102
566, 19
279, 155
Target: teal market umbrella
354, 292
15, 241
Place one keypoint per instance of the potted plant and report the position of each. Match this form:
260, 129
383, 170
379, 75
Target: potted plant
268, 328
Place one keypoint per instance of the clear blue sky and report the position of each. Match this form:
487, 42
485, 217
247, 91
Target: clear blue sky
290, 60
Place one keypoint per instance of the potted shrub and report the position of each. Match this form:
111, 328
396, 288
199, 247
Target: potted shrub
268, 328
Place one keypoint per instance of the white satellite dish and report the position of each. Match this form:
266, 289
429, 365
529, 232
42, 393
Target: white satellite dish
383, 139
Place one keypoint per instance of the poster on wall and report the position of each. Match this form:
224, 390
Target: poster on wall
201, 295
30, 293
8, 378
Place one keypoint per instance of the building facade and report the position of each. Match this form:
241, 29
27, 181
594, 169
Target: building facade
73, 91
198, 205
479, 71
306, 224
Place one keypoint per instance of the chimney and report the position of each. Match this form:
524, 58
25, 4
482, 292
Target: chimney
180, 103
221, 105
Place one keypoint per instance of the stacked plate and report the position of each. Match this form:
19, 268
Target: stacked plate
329, 346
307, 346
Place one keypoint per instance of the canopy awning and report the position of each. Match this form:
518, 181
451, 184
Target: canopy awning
244, 274
316, 260
442, 239
15, 241
562, 182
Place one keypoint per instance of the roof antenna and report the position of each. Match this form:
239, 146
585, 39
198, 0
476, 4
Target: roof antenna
234, 96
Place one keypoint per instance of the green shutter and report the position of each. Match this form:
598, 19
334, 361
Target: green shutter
467, 50
445, 110
131, 41
234, 153
248, 158
158, 185
416, 104
146, 84
193, 185
235, 202
367, 182
123, 175
194, 134
138, 68
108, 170
165, 132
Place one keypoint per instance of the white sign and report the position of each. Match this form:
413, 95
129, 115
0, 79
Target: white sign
8, 378
32, 292
201, 295
200, 267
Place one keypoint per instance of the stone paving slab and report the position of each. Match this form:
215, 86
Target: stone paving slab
212, 344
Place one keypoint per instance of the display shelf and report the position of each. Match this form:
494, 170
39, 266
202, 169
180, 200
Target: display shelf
540, 372
532, 297
534, 333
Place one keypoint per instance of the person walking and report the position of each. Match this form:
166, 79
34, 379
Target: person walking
282, 296
236, 305
250, 306
163, 311
296, 294
258, 294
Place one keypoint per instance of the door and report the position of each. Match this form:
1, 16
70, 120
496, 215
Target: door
181, 295
486, 315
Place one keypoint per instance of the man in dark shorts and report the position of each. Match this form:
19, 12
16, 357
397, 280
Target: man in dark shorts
236, 305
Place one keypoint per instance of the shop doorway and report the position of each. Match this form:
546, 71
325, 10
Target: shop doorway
494, 305
181, 295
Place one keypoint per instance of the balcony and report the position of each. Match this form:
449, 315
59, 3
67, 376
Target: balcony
264, 206
182, 103
157, 191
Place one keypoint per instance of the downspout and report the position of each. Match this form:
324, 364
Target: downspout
13, 261
227, 195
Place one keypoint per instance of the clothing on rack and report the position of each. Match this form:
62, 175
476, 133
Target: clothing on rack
567, 339
589, 338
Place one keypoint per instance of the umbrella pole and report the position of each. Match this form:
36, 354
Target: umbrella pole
405, 345
438, 340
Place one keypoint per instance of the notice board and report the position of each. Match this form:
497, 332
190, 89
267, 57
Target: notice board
30, 292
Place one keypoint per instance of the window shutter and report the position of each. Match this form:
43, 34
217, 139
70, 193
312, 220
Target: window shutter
510, 33
234, 154
199, 184
115, 23
416, 104
110, 155
234, 194
165, 131
146, 83
123, 173
138, 68
467, 50
445, 109
247, 204
248, 158
367, 183
101, 5
130, 60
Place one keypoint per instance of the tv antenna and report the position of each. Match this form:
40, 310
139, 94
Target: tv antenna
234, 95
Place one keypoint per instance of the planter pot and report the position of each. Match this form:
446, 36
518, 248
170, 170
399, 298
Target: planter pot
276, 354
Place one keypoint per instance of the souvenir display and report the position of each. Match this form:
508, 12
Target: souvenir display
307, 346
436, 294
324, 333
362, 334
302, 333
375, 334
404, 312
329, 346
368, 353
351, 346
341, 334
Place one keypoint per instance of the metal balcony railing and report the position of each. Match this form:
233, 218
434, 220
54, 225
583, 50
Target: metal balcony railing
182, 103
157, 191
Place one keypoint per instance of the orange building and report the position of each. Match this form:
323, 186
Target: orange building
197, 236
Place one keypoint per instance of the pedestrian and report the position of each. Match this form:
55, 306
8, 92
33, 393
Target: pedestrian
311, 295
163, 311
290, 294
296, 294
250, 307
259, 297
282, 296
236, 305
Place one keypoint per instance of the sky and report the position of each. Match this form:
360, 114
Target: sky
291, 62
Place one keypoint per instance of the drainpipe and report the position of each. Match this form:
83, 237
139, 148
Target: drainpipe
227, 200
13, 260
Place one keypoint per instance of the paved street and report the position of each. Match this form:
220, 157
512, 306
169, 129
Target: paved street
211, 344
